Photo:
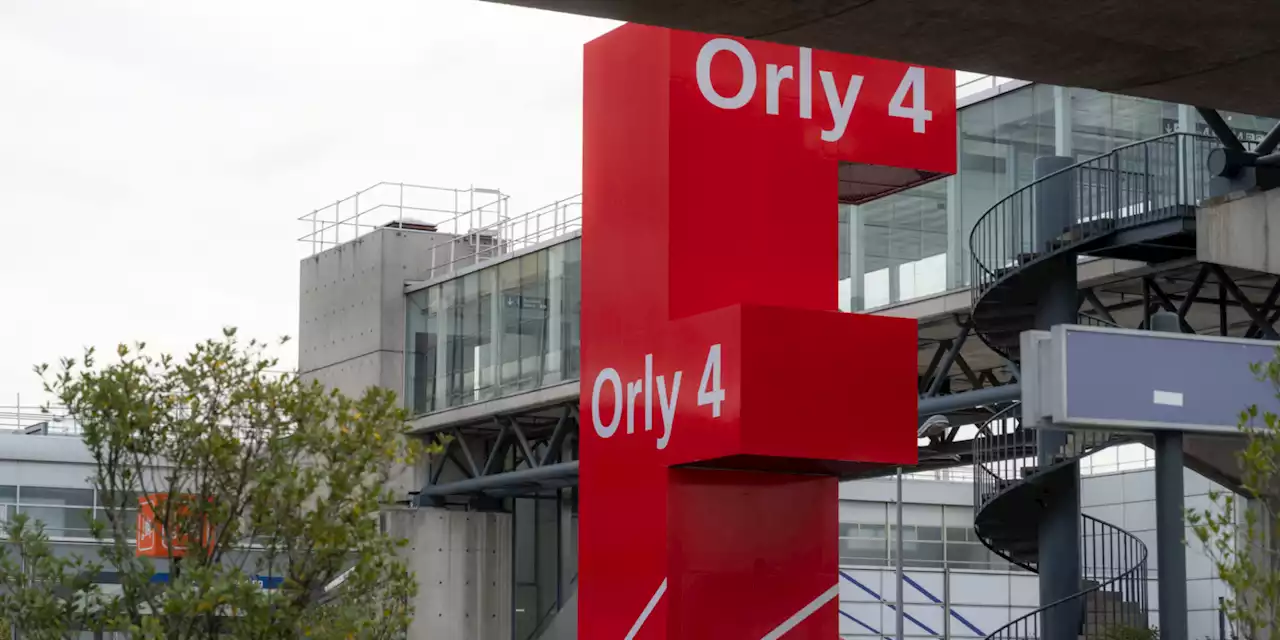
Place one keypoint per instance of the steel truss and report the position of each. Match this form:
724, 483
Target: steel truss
536, 449
1236, 168
528, 453
1239, 308
504, 455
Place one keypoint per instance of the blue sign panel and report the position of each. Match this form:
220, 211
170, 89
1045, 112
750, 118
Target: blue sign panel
1121, 378
266, 582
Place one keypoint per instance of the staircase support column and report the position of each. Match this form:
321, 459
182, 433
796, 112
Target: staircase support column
1059, 557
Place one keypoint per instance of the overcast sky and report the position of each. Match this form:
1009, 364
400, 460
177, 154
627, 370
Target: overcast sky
154, 155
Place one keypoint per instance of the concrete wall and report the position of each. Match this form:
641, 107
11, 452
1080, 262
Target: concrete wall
351, 332
1241, 230
463, 566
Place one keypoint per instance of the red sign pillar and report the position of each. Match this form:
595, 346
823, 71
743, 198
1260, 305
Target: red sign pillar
721, 389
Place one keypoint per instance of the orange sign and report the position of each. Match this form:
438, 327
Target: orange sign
153, 542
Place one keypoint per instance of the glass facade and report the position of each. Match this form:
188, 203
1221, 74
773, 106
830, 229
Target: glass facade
916, 243
66, 513
513, 326
545, 558
934, 535
506, 328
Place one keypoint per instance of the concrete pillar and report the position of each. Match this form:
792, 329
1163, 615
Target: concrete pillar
1059, 544
462, 562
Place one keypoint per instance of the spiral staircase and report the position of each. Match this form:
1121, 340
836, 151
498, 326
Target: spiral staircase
1136, 202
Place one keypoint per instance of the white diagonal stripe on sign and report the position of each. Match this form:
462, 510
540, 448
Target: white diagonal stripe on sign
648, 609
802, 614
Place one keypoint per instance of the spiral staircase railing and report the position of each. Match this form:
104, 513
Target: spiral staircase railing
1153, 181
1113, 594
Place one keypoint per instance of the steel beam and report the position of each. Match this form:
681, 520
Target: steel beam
974, 380
944, 367
466, 453
525, 449
1269, 141
1234, 290
938, 353
494, 462
557, 438
1169, 306
568, 471
562, 471
1097, 305
968, 399
1268, 306
1221, 129
1192, 292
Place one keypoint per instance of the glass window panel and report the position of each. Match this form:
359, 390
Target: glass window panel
929, 533
61, 521
57, 496
922, 554
864, 551
423, 310
906, 233
8, 494
487, 354
463, 325
533, 305
871, 530
509, 347
571, 322
128, 520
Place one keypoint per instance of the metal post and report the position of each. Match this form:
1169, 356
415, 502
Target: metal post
1222, 618
897, 554
946, 596
1059, 537
1171, 560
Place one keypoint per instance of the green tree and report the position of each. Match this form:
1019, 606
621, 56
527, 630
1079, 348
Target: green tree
1240, 536
254, 473
48, 597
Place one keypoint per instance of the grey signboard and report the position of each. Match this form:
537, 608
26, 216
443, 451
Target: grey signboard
1119, 379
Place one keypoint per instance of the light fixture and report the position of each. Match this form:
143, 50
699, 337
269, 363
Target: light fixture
933, 426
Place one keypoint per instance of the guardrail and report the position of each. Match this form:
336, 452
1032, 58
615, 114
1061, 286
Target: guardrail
1147, 181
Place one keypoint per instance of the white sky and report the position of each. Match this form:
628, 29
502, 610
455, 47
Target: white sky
154, 155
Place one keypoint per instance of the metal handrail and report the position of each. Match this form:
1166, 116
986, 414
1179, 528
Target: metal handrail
1129, 585
1146, 181
1114, 561
505, 236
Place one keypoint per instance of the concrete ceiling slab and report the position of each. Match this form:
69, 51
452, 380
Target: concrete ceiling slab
1222, 55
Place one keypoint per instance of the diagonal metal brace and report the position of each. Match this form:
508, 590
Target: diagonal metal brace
558, 435
1221, 129
1234, 289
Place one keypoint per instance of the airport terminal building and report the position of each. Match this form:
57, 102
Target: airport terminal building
474, 315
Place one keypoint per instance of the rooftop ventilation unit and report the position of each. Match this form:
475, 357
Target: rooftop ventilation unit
411, 225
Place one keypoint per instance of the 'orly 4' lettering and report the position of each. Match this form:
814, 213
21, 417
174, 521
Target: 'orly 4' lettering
841, 106
625, 397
